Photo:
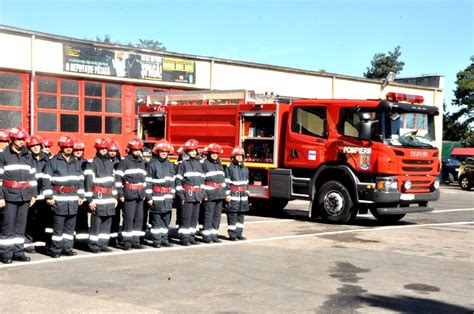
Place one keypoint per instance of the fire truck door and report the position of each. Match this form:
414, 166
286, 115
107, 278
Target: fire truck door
305, 140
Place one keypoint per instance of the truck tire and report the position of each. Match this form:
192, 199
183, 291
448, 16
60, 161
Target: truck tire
334, 203
465, 183
387, 219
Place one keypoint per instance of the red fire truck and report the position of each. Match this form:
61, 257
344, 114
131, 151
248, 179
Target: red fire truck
345, 156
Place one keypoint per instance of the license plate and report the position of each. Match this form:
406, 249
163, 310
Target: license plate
407, 197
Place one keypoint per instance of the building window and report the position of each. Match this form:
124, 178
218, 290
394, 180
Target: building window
12, 86
47, 122
69, 123
10, 119
92, 124
113, 125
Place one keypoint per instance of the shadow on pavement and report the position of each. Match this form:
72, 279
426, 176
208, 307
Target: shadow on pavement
409, 304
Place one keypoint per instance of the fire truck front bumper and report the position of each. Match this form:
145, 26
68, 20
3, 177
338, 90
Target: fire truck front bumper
395, 203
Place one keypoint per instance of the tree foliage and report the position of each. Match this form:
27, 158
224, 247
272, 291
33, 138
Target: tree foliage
382, 64
142, 43
459, 125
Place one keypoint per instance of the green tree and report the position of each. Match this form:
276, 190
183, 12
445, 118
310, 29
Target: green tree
459, 125
150, 44
382, 64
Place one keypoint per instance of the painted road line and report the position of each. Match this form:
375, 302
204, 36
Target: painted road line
451, 210
178, 248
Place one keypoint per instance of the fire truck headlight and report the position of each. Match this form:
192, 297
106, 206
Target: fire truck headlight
436, 184
407, 185
387, 184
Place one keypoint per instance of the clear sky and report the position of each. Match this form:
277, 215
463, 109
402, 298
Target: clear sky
339, 36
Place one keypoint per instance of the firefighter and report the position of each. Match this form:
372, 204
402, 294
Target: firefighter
237, 179
160, 192
37, 216
82, 218
4, 139
177, 201
214, 187
47, 143
17, 194
101, 194
189, 183
114, 155
63, 189
130, 182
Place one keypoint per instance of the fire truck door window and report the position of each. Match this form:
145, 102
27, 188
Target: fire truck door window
69, 103
309, 121
69, 123
350, 121
47, 85
47, 122
93, 104
10, 98
10, 118
113, 125
92, 124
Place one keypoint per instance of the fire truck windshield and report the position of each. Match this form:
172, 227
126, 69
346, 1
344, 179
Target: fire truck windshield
409, 129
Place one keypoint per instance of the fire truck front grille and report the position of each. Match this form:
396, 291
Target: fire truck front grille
417, 166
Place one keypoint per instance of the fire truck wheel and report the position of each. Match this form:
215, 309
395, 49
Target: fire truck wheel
334, 203
388, 219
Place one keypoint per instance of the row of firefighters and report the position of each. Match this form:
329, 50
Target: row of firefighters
41, 193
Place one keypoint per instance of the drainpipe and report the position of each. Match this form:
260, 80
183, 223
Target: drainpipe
32, 87
210, 74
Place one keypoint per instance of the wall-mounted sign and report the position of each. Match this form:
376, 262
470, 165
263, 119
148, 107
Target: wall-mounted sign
98, 61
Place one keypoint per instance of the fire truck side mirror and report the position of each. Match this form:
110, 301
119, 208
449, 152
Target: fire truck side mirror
365, 126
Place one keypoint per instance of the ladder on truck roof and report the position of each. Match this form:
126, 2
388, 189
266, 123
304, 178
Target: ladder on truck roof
210, 97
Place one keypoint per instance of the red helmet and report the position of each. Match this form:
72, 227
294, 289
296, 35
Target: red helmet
66, 141
102, 143
18, 133
34, 140
135, 143
47, 142
114, 146
191, 144
4, 136
162, 145
79, 145
238, 150
215, 148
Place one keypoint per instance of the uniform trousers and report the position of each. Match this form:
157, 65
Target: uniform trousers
132, 222
13, 226
189, 220
115, 228
212, 219
63, 233
100, 232
235, 223
82, 221
159, 227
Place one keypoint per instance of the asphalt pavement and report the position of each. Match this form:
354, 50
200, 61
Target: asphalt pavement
422, 264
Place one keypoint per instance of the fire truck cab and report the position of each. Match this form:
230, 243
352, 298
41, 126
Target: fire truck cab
344, 156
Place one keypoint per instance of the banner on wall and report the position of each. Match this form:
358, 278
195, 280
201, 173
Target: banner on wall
98, 61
